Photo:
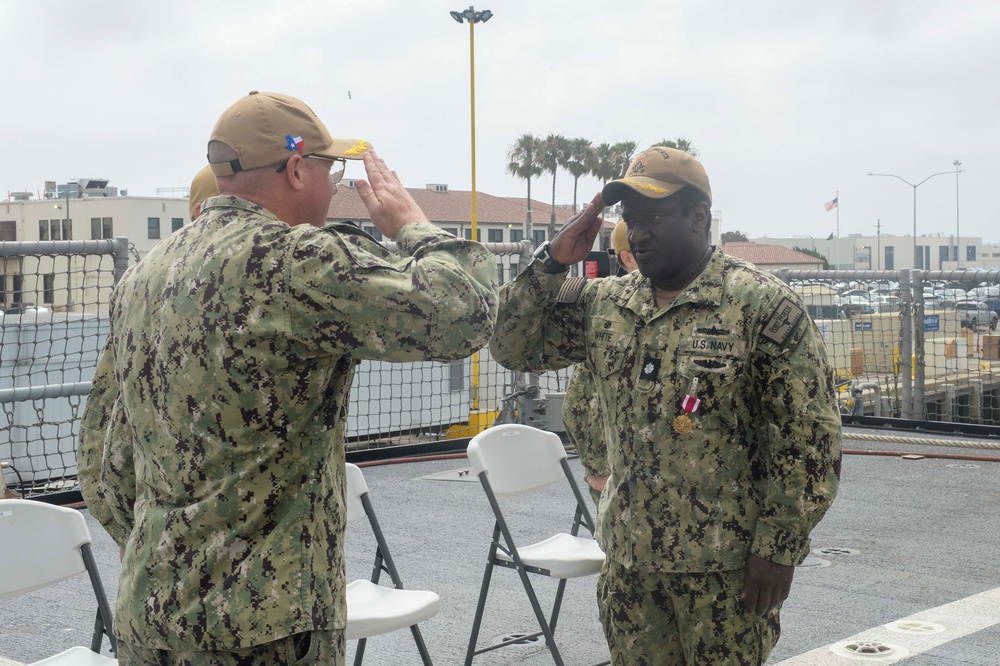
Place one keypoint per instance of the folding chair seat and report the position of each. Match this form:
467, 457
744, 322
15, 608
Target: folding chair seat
514, 460
46, 544
374, 609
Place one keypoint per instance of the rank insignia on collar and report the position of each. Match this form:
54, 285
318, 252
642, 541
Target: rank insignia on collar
650, 367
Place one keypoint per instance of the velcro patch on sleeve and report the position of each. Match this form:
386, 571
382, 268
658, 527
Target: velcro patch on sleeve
782, 321
571, 290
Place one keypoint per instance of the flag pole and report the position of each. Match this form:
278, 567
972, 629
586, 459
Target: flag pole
837, 199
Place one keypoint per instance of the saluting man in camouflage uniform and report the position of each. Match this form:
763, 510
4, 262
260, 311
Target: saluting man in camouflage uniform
582, 416
212, 445
724, 430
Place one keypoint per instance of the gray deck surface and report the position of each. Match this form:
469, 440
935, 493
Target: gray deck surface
926, 532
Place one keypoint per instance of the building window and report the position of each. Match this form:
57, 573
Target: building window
8, 230
468, 233
889, 263
538, 237
970, 252
3, 291
67, 229
494, 235
101, 227
944, 254
48, 288
16, 294
176, 223
152, 227
456, 375
43, 230
516, 235
375, 233
451, 230
55, 225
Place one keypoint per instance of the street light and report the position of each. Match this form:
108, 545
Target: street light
473, 17
892, 175
958, 234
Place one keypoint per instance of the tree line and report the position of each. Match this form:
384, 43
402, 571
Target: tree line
531, 156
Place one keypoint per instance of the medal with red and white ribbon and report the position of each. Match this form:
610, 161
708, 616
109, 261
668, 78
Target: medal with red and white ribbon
690, 404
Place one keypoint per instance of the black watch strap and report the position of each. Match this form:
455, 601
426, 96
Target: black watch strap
551, 265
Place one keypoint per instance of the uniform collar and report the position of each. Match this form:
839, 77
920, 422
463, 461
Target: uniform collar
229, 201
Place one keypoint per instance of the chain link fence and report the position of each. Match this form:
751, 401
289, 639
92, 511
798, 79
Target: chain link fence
917, 345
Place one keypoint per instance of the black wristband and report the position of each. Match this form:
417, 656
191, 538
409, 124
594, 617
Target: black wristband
550, 265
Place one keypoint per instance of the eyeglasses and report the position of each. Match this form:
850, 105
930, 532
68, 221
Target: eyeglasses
337, 166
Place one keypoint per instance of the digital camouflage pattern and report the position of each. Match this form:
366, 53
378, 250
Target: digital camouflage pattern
695, 619
755, 471
585, 425
315, 647
212, 447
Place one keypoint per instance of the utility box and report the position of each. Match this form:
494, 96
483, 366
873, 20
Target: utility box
553, 411
991, 347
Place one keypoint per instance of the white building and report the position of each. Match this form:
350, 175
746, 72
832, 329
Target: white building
88, 212
934, 252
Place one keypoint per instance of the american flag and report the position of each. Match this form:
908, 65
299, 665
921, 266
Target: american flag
830, 205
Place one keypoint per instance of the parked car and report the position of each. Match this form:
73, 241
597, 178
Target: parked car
973, 314
994, 303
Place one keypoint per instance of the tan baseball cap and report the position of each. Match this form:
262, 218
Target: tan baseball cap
202, 187
619, 239
265, 129
658, 173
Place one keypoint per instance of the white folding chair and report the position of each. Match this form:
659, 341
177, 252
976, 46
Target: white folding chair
374, 609
45, 544
514, 460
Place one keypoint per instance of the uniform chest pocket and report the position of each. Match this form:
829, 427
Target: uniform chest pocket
607, 360
719, 383
609, 340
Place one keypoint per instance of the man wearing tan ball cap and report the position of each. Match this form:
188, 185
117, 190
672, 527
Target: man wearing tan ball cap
234, 344
203, 186
723, 434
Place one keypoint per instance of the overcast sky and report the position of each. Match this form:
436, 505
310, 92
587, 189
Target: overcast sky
788, 102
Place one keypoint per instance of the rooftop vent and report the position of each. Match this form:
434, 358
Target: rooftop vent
437, 187
20, 196
350, 183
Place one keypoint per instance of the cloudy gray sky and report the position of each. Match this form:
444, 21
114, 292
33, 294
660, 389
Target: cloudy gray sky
788, 102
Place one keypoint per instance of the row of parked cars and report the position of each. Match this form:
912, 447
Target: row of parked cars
978, 306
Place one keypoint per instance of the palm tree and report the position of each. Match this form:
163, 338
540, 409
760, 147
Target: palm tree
604, 163
680, 144
525, 163
577, 161
552, 154
624, 151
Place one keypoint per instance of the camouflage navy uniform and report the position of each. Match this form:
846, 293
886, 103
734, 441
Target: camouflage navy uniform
585, 425
691, 496
219, 465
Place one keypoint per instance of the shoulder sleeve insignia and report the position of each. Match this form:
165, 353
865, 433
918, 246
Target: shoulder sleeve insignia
782, 321
571, 290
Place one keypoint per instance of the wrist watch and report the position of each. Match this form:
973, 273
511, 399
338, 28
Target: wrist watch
551, 265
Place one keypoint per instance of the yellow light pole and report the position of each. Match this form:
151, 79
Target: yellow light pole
473, 17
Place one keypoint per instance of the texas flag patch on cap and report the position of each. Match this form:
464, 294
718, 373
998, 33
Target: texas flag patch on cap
294, 143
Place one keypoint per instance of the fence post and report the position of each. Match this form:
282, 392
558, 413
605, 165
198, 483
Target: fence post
121, 257
919, 370
906, 343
